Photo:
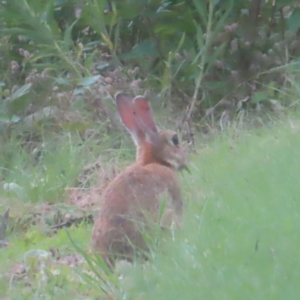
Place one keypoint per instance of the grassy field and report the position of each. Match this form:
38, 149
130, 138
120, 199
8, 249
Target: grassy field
240, 238
241, 234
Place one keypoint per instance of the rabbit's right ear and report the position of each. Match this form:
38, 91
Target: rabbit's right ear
145, 120
144, 113
127, 113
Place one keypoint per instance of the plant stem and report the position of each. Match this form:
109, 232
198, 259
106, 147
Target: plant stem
203, 59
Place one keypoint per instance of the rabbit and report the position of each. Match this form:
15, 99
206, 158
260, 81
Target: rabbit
132, 200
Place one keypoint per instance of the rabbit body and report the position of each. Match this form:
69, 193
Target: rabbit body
132, 201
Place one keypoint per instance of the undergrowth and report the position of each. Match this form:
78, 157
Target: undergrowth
239, 238
225, 75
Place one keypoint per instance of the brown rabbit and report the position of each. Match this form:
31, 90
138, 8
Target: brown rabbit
132, 200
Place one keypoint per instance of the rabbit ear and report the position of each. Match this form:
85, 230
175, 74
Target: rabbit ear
145, 120
127, 113
144, 114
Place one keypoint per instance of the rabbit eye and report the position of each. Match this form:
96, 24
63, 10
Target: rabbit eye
175, 140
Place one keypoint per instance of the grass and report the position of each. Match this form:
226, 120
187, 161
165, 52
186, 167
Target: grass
240, 238
241, 233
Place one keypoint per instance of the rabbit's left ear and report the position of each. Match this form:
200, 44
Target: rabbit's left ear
145, 120
144, 113
127, 113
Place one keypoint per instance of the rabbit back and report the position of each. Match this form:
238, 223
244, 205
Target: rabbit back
131, 203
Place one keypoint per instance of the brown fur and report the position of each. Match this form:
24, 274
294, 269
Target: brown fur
131, 202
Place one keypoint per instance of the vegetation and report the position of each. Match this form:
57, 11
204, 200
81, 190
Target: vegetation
239, 240
207, 56
208, 66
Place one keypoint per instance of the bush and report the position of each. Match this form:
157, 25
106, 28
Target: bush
210, 54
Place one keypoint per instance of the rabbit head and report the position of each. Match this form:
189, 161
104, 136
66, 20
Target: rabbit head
153, 146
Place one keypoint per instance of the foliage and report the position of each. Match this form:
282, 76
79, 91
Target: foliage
60, 63
240, 232
239, 238
219, 54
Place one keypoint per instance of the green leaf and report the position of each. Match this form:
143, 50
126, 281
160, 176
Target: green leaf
15, 119
220, 24
146, 48
79, 91
4, 118
5, 107
201, 9
259, 96
200, 43
68, 37
165, 29
283, 3
126, 13
63, 81
103, 65
44, 113
89, 61
181, 42
99, 261
211, 59
21, 91
87, 81
293, 22
49, 12
60, 2
162, 208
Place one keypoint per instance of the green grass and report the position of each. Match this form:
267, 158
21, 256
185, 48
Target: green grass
240, 238
241, 234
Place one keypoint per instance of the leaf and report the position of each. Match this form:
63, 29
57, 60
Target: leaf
163, 6
107, 41
5, 112
220, 24
162, 208
49, 12
89, 61
21, 91
4, 118
212, 58
127, 13
200, 43
79, 91
4, 224
15, 119
245, 12
63, 81
91, 45
293, 22
276, 105
259, 96
89, 80
68, 36
283, 3
146, 48
201, 9
103, 65
92, 282
100, 262
46, 112
165, 29
181, 42
60, 2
